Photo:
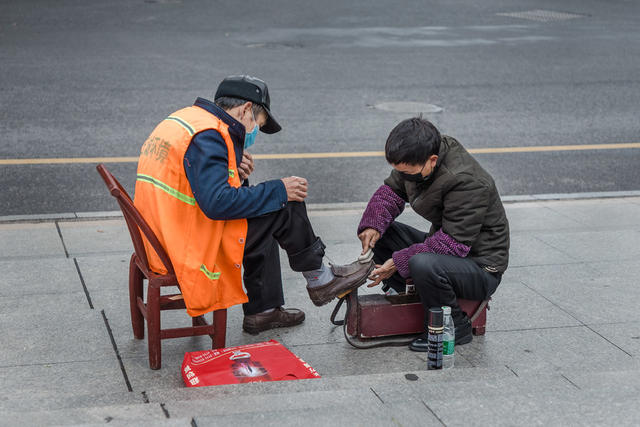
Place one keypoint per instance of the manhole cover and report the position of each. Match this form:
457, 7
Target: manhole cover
542, 15
408, 107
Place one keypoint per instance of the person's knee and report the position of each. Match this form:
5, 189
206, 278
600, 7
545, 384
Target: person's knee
423, 266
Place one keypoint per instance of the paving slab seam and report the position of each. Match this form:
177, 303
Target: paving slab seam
558, 249
64, 246
115, 349
64, 362
432, 412
556, 327
84, 285
91, 216
580, 321
542, 328
570, 382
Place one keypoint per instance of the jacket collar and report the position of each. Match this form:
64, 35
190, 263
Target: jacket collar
444, 149
236, 129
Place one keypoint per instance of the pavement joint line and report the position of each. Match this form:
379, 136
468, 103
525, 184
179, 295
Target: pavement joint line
316, 207
115, 349
329, 155
165, 410
376, 394
512, 371
570, 382
66, 253
432, 412
84, 286
580, 321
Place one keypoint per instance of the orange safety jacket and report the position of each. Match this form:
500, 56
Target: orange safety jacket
206, 254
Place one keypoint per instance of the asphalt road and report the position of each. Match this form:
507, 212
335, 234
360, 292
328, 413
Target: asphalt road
89, 79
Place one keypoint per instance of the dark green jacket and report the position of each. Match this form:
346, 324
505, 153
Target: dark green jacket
461, 198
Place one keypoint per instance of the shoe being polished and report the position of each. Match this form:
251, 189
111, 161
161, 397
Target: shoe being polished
278, 318
346, 278
463, 336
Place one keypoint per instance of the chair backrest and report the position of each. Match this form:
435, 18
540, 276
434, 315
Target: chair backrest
135, 221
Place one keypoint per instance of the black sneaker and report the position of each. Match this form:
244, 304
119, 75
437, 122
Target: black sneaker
421, 343
463, 331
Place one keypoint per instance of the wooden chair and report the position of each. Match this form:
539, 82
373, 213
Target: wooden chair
139, 270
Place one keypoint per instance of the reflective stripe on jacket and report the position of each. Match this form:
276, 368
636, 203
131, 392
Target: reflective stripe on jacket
206, 254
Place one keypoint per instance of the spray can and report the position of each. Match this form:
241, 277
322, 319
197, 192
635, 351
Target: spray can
435, 330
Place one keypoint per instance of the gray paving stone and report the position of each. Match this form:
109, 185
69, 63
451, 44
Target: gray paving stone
608, 245
538, 407
528, 249
624, 335
139, 414
177, 422
30, 386
544, 349
574, 289
96, 237
116, 308
30, 240
357, 414
535, 365
624, 382
22, 277
38, 217
106, 272
280, 402
54, 329
617, 213
626, 273
514, 307
342, 359
534, 216
397, 380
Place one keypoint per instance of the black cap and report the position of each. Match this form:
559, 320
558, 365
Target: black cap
250, 89
435, 317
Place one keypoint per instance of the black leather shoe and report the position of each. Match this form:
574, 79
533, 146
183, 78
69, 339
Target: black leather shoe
420, 344
463, 336
278, 318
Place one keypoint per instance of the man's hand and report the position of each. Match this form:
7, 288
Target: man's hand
246, 167
368, 237
382, 272
296, 188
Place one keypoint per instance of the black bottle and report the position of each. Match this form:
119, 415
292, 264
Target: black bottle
435, 329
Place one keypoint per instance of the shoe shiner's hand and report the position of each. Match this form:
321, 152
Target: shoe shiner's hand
246, 167
296, 188
368, 238
382, 272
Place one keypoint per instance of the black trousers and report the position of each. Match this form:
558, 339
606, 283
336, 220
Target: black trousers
290, 229
439, 279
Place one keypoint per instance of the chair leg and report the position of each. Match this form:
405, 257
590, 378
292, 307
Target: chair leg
220, 328
153, 327
135, 291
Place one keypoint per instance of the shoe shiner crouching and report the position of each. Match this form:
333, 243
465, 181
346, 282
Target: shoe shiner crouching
465, 252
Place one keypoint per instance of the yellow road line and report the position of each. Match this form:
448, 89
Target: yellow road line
344, 154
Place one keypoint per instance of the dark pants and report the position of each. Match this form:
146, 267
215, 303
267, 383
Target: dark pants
439, 279
290, 229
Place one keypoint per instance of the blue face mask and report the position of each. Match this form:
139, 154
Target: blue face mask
250, 137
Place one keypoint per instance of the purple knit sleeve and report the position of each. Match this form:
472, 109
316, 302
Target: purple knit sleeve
383, 208
439, 243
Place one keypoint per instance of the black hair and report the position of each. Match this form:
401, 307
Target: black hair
412, 142
227, 103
